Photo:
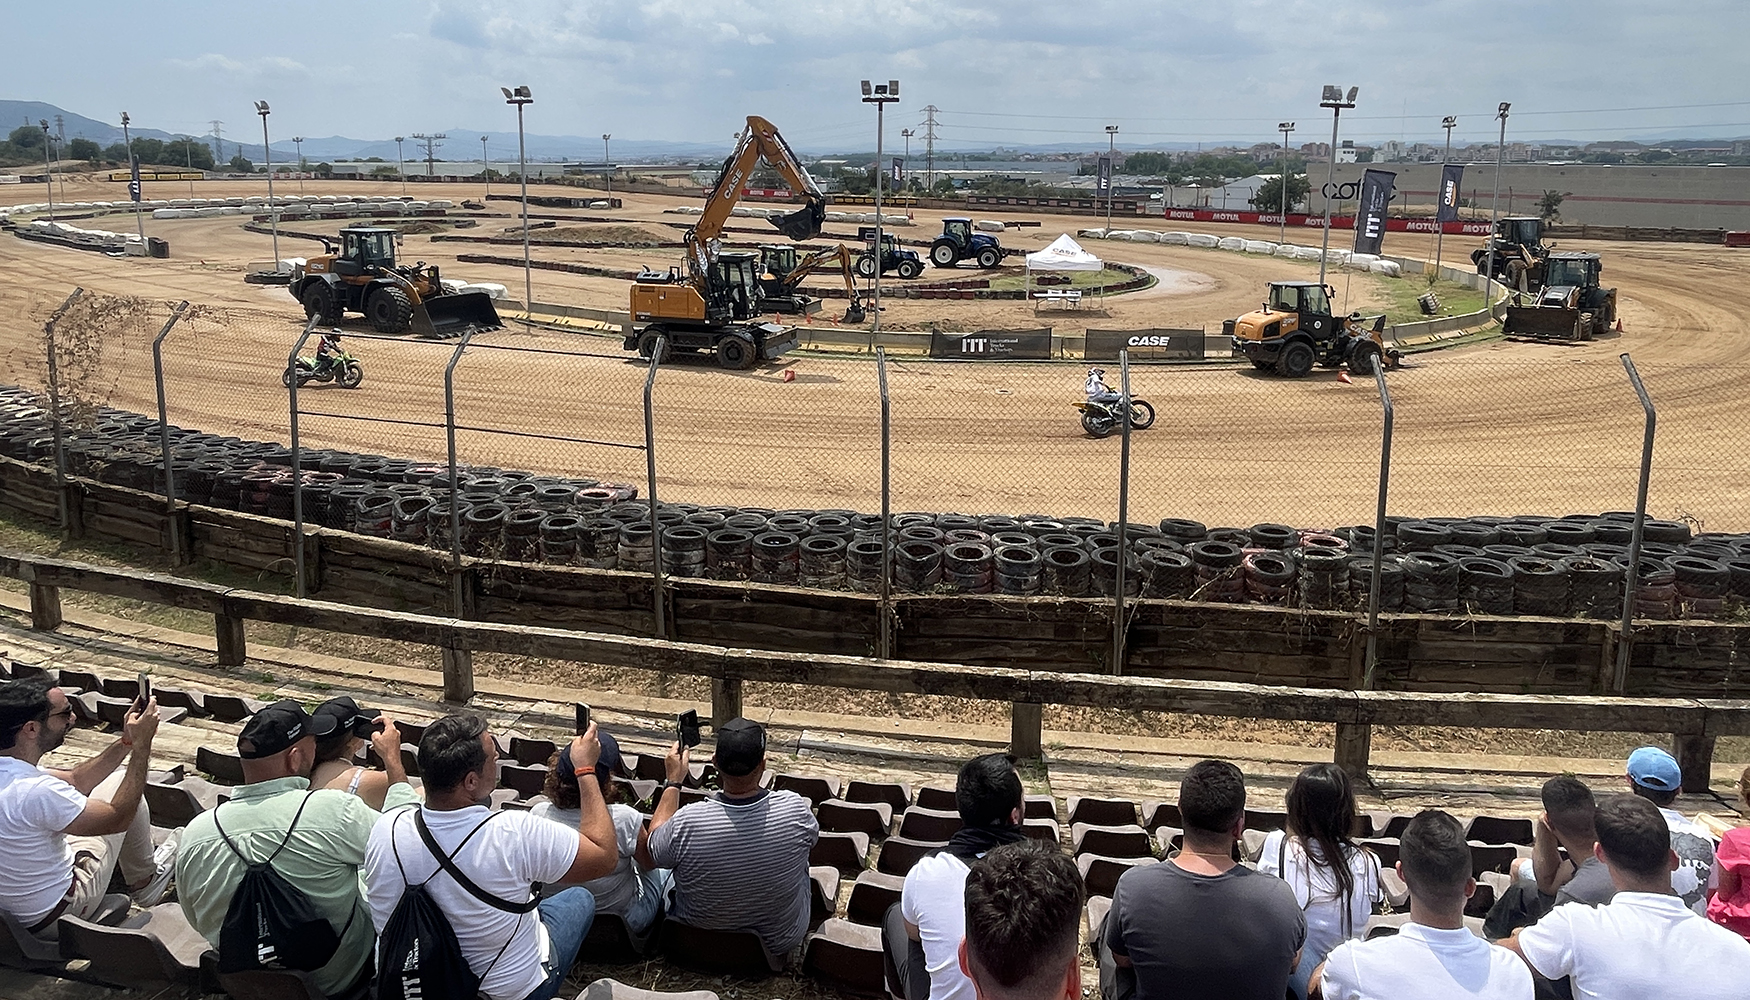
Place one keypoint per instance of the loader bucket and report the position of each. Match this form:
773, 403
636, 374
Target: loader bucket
1545, 321
804, 224
445, 316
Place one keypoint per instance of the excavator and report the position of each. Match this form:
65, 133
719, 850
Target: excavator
717, 303
784, 268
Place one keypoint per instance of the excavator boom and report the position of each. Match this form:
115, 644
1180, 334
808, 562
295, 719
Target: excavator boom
760, 141
818, 261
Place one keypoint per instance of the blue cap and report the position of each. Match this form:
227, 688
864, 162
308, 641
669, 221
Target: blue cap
1651, 767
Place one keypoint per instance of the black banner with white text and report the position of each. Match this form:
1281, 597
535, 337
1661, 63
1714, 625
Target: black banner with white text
1370, 212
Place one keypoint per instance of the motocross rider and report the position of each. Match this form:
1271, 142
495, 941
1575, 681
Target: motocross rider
328, 351
1097, 389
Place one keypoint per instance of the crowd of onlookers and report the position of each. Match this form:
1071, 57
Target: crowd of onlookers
350, 874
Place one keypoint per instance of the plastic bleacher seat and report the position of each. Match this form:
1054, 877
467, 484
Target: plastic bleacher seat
1098, 907
1159, 814
1491, 857
168, 697
1384, 848
20, 949
1100, 874
27, 671
612, 989
636, 792
611, 942
1101, 812
936, 797
823, 893
225, 768
898, 854
113, 712
650, 767
411, 732
505, 798
173, 804
231, 708
872, 819
1498, 830
152, 948
527, 781
525, 750
1039, 807
1170, 838
922, 823
89, 707
692, 795
1128, 841
897, 794
732, 953
846, 853
1264, 819
1393, 827
1385, 924
1046, 831
84, 680
847, 957
1396, 892
1363, 825
871, 895
1252, 844
816, 788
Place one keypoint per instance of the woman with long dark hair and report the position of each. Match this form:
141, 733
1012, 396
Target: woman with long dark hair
1335, 879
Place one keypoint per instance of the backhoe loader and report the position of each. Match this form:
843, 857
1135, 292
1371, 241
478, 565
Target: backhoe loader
783, 269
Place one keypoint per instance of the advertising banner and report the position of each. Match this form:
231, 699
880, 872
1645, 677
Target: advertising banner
993, 345
1450, 177
1145, 345
898, 171
1103, 180
134, 180
1373, 205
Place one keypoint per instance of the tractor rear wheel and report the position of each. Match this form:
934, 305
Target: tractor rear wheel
318, 301
909, 268
944, 254
1296, 360
389, 310
1363, 357
647, 344
989, 257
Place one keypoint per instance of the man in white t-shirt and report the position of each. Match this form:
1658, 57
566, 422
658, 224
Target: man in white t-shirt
1023, 906
1434, 957
63, 833
1645, 944
931, 913
518, 956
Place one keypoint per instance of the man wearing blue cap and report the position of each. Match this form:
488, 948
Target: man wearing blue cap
1654, 775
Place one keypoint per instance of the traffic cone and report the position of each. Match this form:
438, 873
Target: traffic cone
1619, 324
1343, 377
789, 375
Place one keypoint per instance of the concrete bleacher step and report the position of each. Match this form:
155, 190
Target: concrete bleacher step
848, 957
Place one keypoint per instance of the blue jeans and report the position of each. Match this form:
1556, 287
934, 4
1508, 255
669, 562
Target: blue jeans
641, 916
567, 915
1300, 980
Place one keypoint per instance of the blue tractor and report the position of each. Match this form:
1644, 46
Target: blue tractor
959, 242
906, 262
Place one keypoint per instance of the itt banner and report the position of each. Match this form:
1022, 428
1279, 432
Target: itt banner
1103, 181
134, 180
1451, 176
993, 345
1145, 345
898, 170
1375, 201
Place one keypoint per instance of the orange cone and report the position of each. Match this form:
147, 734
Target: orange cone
1619, 324
1343, 377
789, 375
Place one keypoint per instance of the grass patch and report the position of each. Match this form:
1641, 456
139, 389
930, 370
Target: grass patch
1455, 299
1077, 279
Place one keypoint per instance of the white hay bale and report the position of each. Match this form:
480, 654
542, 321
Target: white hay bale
1389, 268
1202, 240
1091, 234
1260, 246
1177, 239
1232, 243
492, 289
990, 225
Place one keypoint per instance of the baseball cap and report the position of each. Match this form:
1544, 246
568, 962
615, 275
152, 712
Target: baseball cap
275, 728
741, 745
606, 766
1651, 767
343, 710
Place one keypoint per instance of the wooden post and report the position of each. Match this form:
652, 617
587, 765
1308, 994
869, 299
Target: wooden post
458, 675
45, 607
233, 649
725, 700
1027, 730
1695, 756
1354, 744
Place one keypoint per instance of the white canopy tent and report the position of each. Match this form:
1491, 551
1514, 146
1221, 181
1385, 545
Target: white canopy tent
1064, 254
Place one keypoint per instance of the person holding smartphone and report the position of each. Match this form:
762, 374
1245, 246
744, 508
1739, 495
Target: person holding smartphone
335, 753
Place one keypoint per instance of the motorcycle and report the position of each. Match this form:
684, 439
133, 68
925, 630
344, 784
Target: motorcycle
1102, 419
337, 366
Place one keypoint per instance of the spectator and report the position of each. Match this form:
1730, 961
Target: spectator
1728, 894
1566, 824
740, 858
336, 750
930, 916
1201, 925
1337, 896
503, 853
1654, 775
63, 833
1645, 944
1022, 912
634, 890
1434, 956
316, 838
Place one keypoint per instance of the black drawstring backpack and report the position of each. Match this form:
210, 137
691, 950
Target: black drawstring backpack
271, 923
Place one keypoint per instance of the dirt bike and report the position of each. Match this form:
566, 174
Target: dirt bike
336, 366
1102, 419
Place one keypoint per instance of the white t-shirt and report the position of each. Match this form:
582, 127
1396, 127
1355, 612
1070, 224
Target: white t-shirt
616, 891
35, 807
511, 851
1315, 889
1425, 963
1639, 946
934, 899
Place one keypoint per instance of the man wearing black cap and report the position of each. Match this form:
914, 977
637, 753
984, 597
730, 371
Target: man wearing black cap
740, 858
324, 833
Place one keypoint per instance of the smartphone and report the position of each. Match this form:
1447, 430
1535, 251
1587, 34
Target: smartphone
365, 727
687, 728
582, 718
144, 697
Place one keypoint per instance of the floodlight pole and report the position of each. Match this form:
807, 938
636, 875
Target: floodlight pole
48, 168
400, 163
134, 192
1282, 222
1448, 123
1494, 205
1111, 170
607, 169
273, 215
1334, 100
521, 97
880, 95
486, 166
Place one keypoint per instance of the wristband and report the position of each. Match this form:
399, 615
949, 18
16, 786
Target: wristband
581, 771
673, 784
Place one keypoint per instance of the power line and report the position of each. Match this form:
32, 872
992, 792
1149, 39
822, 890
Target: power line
431, 144
930, 147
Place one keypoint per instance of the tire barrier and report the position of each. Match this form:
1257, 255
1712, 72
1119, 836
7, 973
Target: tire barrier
1430, 582
1485, 585
1540, 586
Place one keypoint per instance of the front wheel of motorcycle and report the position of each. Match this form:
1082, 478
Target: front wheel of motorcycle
1097, 426
351, 374
1142, 415
286, 379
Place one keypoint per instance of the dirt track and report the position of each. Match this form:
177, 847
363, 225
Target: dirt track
1502, 428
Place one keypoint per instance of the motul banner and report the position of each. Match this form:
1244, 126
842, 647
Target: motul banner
1373, 204
1103, 181
1450, 177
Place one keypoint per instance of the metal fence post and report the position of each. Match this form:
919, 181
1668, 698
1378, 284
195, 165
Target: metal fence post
55, 409
656, 353
1118, 623
1625, 642
1354, 740
173, 536
450, 440
884, 636
297, 460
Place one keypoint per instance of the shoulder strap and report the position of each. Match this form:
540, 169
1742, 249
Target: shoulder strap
276, 851
444, 861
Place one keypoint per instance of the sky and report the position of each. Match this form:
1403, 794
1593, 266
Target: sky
1003, 72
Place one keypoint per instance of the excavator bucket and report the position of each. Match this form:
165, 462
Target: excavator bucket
445, 316
804, 224
1541, 322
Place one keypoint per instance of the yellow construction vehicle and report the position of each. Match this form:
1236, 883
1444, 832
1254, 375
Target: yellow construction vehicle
363, 277
1296, 329
717, 303
783, 267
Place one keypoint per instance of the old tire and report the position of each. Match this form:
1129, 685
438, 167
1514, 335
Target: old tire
389, 310
989, 257
647, 345
319, 304
944, 254
1296, 360
736, 354
909, 269
866, 265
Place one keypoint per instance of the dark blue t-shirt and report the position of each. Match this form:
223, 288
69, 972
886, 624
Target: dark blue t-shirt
1231, 936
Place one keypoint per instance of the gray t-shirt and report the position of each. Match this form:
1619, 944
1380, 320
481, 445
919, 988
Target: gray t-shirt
1231, 936
1590, 885
742, 865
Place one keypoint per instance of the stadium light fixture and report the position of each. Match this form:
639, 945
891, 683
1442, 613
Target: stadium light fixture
273, 215
521, 97
880, 95
1336, 101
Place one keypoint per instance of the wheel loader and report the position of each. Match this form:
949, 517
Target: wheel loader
1570, 306
1296, 330
365, 278
1519, 253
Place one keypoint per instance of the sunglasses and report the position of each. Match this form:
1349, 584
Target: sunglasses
65, 713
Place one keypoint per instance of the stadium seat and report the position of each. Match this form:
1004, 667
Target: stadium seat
871, 895
225, 768
114, 711
731, 953
636, 792
896, 794
1252, 845
816, 788
1101, 812
1396, 892
153, 948
230, 708
923, 823
194, 701
937, 797
1046, 831
610, 941
1098, 907
847, 957
1498, 830
1266, 820
872, 819
1039, 807
651, 767
411, 732
526, 751
526, 780
611, 989
1130, 841
20, 949
172, 805
898, 854
1170, 838
1491, 857
84, 680
847, 853
90, 707
1159, 814
823, 893
1100, 874
1385, 924
1384, 848
1393, 827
